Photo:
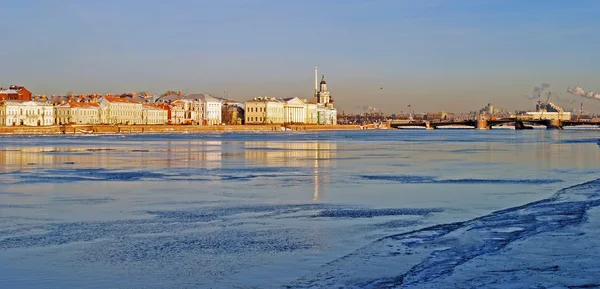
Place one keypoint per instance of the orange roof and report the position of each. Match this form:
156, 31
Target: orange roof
118, 99
154, 106
83, 104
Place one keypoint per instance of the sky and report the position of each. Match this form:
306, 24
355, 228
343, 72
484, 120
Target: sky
437, 55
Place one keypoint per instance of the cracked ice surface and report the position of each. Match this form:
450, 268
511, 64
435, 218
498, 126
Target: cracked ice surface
548, 243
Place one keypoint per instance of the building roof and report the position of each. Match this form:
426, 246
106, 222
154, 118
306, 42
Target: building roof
153, 107
204, 97
266, 99
25, 102
9, 91
79, 105
118, 99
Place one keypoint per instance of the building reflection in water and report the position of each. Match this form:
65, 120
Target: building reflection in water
314, 155
159, 155
149, 156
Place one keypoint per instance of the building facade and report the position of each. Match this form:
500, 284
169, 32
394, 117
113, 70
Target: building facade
264, 110
326, 112
115, 110
212, 109
26, 113
541, 115
77, 113
187, 111
154, 114
294, 110
232, 113
312, 115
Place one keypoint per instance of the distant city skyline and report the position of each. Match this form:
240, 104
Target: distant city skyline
436, 55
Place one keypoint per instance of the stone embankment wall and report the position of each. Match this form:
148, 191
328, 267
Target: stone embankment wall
71, 129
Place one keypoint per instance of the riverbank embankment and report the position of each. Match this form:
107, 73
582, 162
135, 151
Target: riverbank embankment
111, 129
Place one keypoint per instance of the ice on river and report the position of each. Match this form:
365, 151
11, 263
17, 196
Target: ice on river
551, 243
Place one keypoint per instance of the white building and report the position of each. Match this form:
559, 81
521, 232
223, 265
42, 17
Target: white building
326, 113
294, 110
187, 111
312, 115
210, 108
540, 115
264, 110
77, 113
27, 113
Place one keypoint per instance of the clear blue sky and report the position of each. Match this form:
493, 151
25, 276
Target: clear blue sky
434, 54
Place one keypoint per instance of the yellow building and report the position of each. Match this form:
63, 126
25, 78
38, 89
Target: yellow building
115, 110
153, 114
77, 113
265, 110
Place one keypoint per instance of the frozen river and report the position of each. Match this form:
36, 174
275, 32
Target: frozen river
356, 209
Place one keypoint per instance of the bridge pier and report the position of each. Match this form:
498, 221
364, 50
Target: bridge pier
553, 124
483, 124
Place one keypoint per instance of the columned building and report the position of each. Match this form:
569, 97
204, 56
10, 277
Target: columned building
294, 110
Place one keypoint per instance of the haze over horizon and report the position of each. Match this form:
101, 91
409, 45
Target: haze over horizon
433, 54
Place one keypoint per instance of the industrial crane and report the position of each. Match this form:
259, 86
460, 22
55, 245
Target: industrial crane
545, 104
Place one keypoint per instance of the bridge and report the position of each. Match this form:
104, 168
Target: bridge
488, 124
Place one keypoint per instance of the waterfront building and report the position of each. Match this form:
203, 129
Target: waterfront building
265, 110
548, 111
212, 108
77, 113
15, 92
208, 113
294, 110
312, 115
326, 112
187, 111
26, 113
550, 115
116, 110
154, 114
232, 113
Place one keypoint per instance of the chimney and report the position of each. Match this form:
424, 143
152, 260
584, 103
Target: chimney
179, 93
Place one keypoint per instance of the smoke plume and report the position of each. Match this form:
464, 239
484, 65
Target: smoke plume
538, 90
569, 101
581, 92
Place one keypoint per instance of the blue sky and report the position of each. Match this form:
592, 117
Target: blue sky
433, 54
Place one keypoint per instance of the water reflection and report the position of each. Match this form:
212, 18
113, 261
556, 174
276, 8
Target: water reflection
315, 155
161, 155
